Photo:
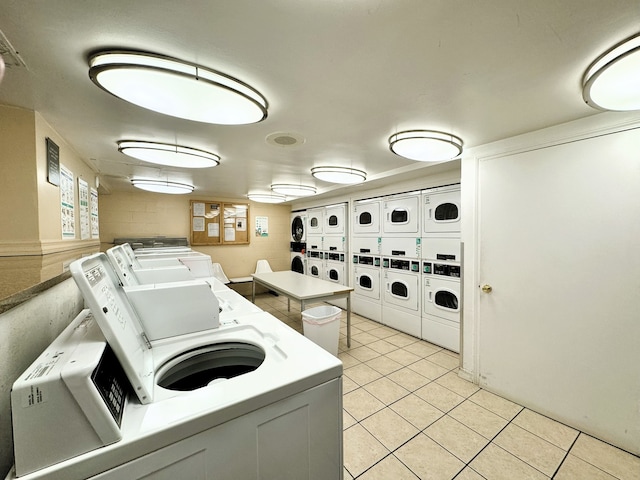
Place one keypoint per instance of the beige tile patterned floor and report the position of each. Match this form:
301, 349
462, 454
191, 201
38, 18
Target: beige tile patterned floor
408, 415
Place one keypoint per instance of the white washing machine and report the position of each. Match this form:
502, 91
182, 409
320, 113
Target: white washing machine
315, 221
366, 217
401, 296
401, 215
367, 282
298, 258
335, 267
316, 264
336, 271
299, 226
441, 210
335, 219
105, 402
441, 304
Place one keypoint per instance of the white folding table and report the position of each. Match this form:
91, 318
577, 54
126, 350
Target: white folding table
304, 288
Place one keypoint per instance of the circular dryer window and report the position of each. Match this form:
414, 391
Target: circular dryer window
202, 366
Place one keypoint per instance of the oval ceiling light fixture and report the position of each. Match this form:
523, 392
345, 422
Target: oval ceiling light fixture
611, 81
173, 87
345, 175
266, 197
162, 186
292, 190
425, 145
168, 154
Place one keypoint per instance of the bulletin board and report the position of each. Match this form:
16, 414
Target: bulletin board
219, 223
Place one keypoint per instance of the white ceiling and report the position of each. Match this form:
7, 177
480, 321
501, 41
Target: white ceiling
344, 74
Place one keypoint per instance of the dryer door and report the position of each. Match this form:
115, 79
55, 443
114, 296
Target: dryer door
441, 211
334, 220
402, 290
442, 298
315, 221
366, 218
367, 282
401, 215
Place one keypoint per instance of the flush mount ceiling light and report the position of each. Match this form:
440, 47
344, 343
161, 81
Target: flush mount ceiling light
344, 175
266, 197
292, 190
168, 154
611, 81
162, 186
177, 88
425, 145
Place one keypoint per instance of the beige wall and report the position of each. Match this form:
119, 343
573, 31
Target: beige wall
144, 214
31, 219
19, 215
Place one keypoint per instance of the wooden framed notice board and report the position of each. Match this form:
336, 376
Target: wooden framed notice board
219, 223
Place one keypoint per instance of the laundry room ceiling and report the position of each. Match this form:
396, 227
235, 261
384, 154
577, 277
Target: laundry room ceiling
340, 77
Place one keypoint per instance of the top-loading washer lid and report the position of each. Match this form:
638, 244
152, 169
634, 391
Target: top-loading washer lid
100, 287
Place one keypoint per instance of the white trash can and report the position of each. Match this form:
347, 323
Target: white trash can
321, 325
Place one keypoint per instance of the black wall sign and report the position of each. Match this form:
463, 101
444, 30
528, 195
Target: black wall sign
53, 163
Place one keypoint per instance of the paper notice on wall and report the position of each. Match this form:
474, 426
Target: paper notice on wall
198, 224
241, 224
95, 224
85, 220
198, 209
229, 234
262, 226
67, 203
213, 230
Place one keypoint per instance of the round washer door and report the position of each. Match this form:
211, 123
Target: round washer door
297, 265
297, 229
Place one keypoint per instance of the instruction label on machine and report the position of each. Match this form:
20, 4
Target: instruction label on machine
35, 396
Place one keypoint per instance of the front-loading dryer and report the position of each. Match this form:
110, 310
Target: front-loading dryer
298, 226
316, 264
401, 297
441, 304
367, 287
441, 210
298, 258
366, 217
315, 221
401, 215
335, 218
199, 405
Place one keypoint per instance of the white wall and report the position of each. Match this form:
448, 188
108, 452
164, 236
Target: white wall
560, 331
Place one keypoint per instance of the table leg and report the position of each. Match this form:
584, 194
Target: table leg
253, 291
349, 320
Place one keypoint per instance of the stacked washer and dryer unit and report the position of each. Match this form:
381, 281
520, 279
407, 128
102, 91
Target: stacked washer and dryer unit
327, 245
441, 266
406, 262
298, 244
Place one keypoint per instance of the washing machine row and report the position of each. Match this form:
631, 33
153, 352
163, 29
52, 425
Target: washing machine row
115, 396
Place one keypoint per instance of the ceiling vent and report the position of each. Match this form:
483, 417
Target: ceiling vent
282, 139
11, 58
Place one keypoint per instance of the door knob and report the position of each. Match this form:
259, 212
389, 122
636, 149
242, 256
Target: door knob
487, 288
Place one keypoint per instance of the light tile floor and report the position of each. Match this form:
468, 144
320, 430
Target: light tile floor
408, 415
